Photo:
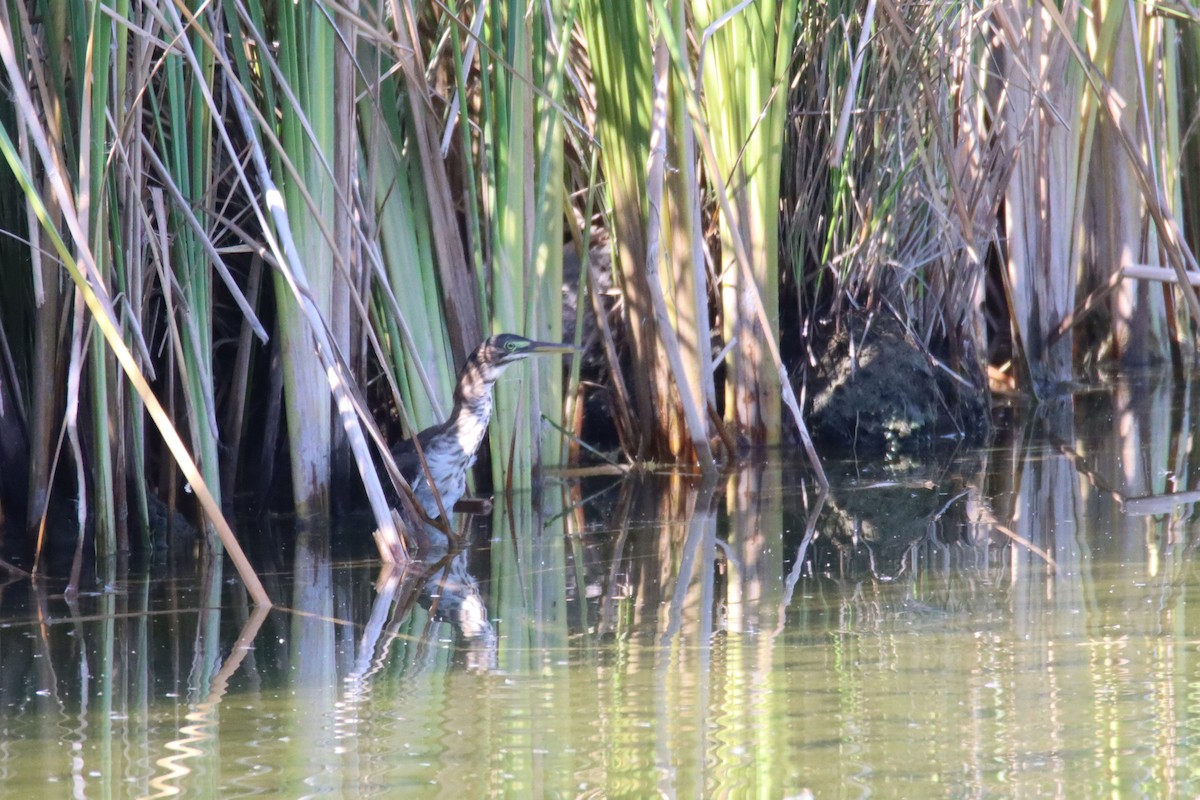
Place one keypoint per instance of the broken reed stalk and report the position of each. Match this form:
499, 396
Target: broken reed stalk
1148, 272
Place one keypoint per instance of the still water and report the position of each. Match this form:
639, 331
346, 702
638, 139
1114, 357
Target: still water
1002, 622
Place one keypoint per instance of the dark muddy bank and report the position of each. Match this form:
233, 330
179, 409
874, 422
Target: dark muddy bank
875, 390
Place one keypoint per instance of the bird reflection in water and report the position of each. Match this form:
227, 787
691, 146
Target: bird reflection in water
451, 595
445, 588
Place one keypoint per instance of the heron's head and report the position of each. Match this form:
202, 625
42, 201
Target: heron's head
499, 351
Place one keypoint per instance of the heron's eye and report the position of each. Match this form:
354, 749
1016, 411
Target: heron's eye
510, 347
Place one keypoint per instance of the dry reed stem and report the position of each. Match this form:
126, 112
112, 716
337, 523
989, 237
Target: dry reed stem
1178, 252
654, 200
462, 317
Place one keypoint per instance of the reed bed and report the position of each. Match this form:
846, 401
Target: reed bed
249, 241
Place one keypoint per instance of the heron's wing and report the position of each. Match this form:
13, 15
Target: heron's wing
405, 453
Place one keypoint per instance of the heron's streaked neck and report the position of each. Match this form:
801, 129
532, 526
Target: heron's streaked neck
473, 402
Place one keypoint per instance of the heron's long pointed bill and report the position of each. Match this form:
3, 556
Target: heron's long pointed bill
548, 348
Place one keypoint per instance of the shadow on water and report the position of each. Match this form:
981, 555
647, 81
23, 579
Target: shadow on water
1010, 620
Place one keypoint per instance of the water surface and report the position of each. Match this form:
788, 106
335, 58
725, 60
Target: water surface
1007, 621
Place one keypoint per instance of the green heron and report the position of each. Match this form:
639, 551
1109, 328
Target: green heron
449, 448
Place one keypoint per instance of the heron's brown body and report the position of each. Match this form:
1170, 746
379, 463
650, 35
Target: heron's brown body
450, 447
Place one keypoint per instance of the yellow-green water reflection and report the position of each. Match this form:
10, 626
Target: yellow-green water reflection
1006, 623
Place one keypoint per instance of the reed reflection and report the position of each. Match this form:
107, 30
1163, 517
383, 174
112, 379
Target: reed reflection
1040, 584
1019, 615
198, 736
